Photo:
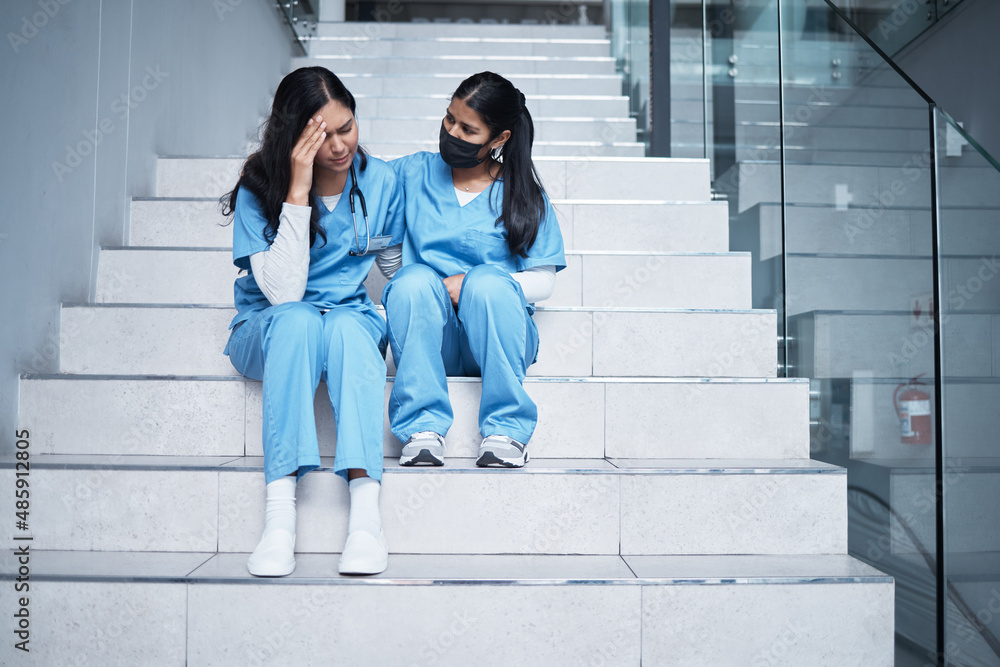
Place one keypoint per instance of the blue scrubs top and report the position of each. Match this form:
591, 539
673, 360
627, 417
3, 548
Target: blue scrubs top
451, 239
335, 278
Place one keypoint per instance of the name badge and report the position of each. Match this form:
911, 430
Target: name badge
379, 243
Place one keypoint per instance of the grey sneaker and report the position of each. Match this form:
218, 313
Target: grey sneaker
503, 451
423, 447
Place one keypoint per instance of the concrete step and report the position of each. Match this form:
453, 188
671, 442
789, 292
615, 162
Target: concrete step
463, 30
795, 94
636, 279
894, 283
444, 609
816, 113
428, 64
800, 64
857, 230
575, 130
821, 74
841, 93
863, 283
688, 139
625, 148
815, 56
844, 138
652, 225
903, 185
178, 340
552, 506
916, 585
712, 418
590, 178
805, 155
446, 83
874, 430
883, 231
458, 46
541, 106
974, 484
836, 344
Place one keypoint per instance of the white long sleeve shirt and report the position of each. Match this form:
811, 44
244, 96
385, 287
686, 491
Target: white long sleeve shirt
282, 270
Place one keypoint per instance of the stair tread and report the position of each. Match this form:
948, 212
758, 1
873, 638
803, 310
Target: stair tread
555, 201
536, 119
518, 57
538, 309
453, 465
540, 158
535, 96
588, 253
349, 76
464, 40
618, 379
454, 569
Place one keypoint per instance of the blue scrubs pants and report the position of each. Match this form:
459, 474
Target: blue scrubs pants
291, 347
491, 335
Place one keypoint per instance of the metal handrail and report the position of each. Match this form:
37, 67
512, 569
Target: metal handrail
301, 19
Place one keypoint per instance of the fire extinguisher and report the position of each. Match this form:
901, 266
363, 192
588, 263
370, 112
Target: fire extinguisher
913, 407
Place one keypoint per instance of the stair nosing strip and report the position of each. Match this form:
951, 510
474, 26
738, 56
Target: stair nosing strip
463, 40
555, 201
536, 119
588, 253
452, 57
192, 579
531, 379
253, 467
536, 96
548, 309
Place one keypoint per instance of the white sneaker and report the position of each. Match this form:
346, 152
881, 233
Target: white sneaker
364, 553
274, 556
503, 451
423, 447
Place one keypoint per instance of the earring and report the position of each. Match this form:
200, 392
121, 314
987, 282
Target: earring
497, 154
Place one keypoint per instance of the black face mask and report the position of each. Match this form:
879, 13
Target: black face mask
459, 153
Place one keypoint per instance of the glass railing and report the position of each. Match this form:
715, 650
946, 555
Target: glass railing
859, 289
873, 221
890, 24
301, 17
968, 213
628, 23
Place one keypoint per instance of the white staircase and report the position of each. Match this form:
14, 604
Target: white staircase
670, 514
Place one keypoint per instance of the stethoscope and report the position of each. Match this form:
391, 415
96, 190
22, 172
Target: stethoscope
364, 214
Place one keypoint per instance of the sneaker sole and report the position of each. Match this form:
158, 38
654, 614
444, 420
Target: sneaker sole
273, 572
356, 569
423, 456
489, 458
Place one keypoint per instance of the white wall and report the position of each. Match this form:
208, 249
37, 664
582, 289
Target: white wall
102, 87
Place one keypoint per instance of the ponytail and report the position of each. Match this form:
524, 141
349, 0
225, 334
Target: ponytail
501, 106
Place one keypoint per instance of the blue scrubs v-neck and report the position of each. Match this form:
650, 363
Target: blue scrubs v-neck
451, 238
335, 277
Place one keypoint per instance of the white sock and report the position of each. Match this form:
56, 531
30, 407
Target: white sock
365, 513
279, 511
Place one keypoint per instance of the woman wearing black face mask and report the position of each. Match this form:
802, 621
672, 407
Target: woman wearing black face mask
482, 246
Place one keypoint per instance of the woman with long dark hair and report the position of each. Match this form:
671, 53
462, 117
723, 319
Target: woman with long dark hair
482, 245
311, 211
